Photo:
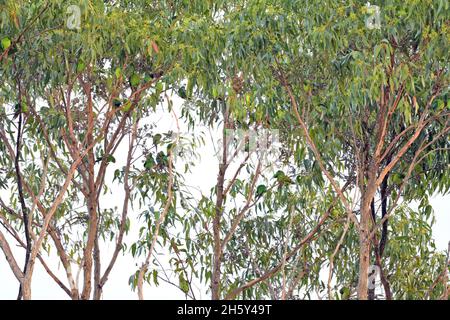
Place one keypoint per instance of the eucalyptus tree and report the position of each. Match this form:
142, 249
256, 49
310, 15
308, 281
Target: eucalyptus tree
241, 235
80, 84
226, 91
360, 100
369, 99
370, 104
380, 87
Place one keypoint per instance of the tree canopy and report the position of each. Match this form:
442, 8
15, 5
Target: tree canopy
329, 122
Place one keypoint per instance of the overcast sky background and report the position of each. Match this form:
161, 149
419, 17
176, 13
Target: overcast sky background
202, 176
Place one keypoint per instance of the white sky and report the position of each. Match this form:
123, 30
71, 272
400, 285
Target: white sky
203, 176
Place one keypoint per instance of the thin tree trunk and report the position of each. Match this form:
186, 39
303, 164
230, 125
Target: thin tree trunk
88, 252
364, 241
216, 275
217, 263
97, 270
364, 255
91, 202
371, 290
26, 288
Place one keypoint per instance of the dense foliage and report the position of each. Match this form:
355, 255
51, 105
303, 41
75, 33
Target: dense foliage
330, 121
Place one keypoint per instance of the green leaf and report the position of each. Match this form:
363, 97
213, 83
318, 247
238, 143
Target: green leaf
155, 277
127, 106
190, 86
184, 285
80, 67
135, 80
149, 162
24, 107
118, 72
110, 158
6, 43
157, 139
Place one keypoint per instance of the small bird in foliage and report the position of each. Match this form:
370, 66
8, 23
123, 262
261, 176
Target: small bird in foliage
282, 178
260, 190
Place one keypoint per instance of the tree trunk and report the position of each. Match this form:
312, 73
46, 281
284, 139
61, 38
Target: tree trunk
215, 285
88, 252
364, 255
26, 286
371, 291
98, 289
26, 291
364, 241
216, 274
